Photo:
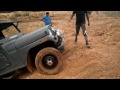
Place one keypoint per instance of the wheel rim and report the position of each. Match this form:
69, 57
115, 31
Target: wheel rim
49, 62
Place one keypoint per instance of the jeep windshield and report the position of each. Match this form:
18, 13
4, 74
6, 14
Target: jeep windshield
9, 30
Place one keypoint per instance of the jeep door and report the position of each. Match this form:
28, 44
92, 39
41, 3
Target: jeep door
4, 63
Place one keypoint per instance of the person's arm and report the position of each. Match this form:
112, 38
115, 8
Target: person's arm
72, 16
87, 16
43, 19
50, 21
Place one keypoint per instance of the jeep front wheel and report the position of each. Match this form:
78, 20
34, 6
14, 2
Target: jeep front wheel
49, 61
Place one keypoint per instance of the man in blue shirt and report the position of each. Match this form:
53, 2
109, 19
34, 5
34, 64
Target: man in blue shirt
46, 19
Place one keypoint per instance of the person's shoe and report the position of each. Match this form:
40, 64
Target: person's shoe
75, 39
75, 42
87, 45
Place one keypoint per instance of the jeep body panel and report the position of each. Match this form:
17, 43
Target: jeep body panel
4, 63
14, 50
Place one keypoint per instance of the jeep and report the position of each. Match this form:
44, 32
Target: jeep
41, 48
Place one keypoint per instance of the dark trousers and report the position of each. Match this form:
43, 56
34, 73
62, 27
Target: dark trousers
83, 29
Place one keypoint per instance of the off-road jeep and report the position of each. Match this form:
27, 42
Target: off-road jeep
41, 48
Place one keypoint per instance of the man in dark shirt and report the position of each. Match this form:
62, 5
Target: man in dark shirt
80, 22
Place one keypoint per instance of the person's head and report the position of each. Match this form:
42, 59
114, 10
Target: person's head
47, 13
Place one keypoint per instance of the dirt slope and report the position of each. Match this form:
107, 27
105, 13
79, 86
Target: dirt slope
101, 61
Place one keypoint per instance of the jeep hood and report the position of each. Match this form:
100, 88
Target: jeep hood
30, 38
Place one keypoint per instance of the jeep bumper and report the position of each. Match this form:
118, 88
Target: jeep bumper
61, 46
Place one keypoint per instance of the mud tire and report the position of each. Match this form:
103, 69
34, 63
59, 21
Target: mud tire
42, 57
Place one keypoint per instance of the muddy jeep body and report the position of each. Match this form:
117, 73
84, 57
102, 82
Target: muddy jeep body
41, 48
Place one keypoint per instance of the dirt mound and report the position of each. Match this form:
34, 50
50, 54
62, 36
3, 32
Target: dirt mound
101, 61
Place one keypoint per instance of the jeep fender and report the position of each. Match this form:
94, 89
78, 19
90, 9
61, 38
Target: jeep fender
29, 63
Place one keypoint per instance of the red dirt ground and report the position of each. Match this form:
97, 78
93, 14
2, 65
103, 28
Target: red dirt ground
101, 61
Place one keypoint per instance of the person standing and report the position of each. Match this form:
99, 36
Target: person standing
47, 19
80, 22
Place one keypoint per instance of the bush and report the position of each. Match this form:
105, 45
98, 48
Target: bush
21, 13
113, 13
25, 13
17, 14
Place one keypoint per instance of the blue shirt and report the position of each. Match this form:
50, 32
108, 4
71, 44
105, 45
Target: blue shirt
47, 20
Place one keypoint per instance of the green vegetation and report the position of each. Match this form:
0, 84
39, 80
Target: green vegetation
113, 13
21, 13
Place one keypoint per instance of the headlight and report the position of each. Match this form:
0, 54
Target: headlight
52, 29
58, 32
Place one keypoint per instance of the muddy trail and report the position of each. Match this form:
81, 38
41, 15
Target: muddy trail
101, 61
